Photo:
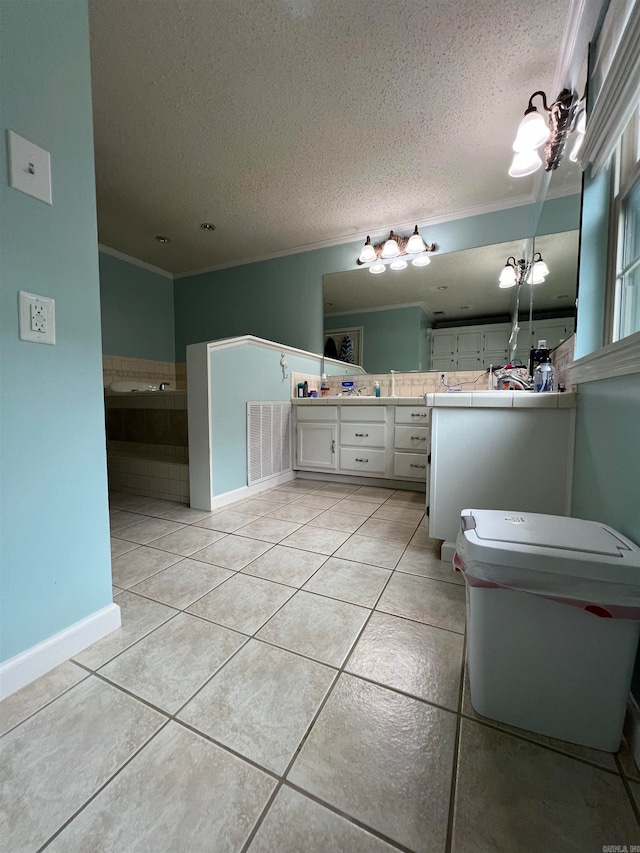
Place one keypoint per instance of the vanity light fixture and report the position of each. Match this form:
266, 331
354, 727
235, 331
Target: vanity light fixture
392, 249
534, 131
517, 272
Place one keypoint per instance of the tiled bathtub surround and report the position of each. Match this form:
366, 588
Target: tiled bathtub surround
158, 417
290, 692
115, 367
406, 384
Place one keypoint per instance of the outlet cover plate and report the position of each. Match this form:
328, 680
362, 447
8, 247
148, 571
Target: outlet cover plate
37, 315
29, 167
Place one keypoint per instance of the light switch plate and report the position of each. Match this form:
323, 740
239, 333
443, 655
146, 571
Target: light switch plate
37, 316
29, 168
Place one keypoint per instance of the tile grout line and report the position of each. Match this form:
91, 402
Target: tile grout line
627, 788
456, 752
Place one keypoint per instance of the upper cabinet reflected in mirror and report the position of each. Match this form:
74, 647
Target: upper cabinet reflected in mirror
403, 320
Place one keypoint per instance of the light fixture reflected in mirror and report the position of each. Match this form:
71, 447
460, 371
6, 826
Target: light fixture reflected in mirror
392, 249
517, 272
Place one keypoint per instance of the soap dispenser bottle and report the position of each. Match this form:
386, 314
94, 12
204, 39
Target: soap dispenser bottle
376, 389
544, 378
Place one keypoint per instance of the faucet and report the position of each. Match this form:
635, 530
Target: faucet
504, 374
163, 386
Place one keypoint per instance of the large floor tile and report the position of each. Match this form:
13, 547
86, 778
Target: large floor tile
256, 506
188, 540
148, 530
426, 562
319, 500
186, 515
286, 565
139, 616
157, 507
356, 583
296, 824
261, 703
407, 498
227, 520
375, 494
56, 760
122, 519
183, 583
383, 758
513, 794
380, 528
426, 600
122, 501
300, 486
338, 521
269, 529
121, 546
415, 658
243, 603
421, 539
316, 539
22, 704
356, 507
595, 756
170, 664
298, 514
318, 627
375, 552
181, 793
134, 566
392, 512
232, 552
340, 490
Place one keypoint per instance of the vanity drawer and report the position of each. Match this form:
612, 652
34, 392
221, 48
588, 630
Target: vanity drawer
412, 465
362, 460
412, 438
353, 412
363, 435
316, 413
419, 415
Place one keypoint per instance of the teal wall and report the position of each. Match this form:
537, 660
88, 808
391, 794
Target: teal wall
54, 525
262, 380
281, 299
137, 311
393, 339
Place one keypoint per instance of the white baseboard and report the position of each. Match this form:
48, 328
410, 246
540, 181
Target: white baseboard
23, 668
634, 737
447, 551
218, 501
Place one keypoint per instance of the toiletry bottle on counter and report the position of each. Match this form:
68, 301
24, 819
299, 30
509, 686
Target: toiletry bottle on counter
300, 389
376, 389
544, 376
324, 387
536, 355
305, 389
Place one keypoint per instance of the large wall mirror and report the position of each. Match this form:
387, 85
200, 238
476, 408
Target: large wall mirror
404, 320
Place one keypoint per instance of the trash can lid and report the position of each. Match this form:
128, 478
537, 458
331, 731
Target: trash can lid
549, 543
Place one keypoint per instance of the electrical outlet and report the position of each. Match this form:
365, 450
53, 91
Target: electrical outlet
442, 379
37, 318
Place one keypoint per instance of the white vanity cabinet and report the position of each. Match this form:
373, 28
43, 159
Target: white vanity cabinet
384, 441
317, 439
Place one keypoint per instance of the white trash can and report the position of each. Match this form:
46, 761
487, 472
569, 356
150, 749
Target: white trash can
553, 619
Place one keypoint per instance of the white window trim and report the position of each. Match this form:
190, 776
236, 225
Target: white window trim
617, 359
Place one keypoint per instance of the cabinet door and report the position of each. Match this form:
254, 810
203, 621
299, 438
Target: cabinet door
316, 446
468, 343
443, 343
468, 362
443, 363
496, 341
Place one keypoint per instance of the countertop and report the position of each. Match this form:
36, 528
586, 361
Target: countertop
454, 399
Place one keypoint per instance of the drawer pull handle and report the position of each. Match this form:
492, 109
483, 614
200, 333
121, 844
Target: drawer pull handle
362, 435
333, 446
418, 438
418, 414
366, 460
413, 465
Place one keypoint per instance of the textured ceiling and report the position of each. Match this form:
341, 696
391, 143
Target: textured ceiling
292, 122
469, 278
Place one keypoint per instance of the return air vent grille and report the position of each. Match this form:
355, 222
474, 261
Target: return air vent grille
268, 440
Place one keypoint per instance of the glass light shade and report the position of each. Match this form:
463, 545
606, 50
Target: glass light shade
534, 277
390, 248
524, 163
577, 145
507, 276
533, 132
421, 261
581, 125
415, 244
376, 269
368, 253
537, 273
398, 265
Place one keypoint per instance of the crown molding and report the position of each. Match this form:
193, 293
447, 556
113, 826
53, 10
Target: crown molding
493, 207
107, 250
374, 310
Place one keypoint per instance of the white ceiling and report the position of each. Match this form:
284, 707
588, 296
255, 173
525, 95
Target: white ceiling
469, 278
292, 122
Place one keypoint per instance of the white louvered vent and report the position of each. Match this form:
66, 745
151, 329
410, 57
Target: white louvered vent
268, 440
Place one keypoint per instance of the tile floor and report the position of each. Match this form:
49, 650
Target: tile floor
289, 678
